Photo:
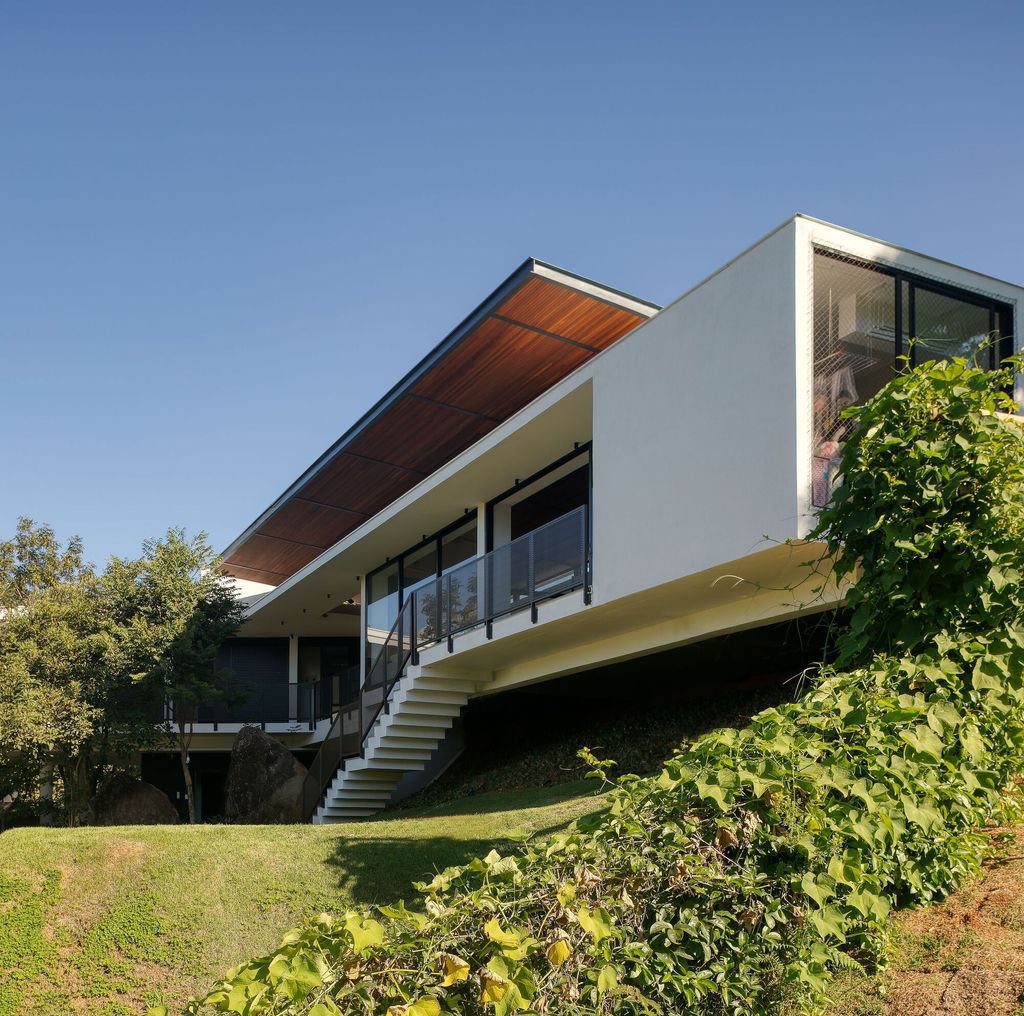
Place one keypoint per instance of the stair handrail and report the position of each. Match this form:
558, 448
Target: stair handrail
404, 633
325, 763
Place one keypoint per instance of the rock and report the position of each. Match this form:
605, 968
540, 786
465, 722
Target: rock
127, 801
264, 781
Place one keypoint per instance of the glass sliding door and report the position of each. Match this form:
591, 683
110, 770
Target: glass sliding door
946, 327
382, 602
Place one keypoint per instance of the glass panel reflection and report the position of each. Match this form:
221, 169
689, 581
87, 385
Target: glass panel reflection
947, 327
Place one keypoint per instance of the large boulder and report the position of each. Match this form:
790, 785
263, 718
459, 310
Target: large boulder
264, 781
126, 801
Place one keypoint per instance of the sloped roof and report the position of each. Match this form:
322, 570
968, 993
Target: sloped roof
533, 330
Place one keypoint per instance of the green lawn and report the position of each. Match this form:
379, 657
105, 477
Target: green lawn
107, 921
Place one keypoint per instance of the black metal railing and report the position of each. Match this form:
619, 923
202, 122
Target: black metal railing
549, 561
262, 702
342, 741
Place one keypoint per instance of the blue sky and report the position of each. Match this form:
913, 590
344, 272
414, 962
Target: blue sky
226, 229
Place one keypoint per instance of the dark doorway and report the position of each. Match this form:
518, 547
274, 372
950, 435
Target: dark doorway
210, 799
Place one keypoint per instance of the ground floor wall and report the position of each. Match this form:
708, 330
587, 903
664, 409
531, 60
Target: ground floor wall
209, 771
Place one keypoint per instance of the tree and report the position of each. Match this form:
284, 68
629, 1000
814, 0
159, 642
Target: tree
86, 657
187, 672
51, 647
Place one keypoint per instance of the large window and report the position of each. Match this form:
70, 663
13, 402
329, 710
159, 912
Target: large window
866, 318
388, 587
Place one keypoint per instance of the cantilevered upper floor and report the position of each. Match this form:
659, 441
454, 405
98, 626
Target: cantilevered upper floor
574, 477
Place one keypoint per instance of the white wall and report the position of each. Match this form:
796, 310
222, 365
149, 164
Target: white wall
695, 427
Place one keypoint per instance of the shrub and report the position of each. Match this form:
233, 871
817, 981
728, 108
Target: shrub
759, 860
930, 511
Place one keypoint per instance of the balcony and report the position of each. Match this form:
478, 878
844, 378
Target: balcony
263, 703
548, 562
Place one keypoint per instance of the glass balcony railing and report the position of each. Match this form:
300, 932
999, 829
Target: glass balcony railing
262, 702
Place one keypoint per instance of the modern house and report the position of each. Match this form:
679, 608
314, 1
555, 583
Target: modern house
574, 479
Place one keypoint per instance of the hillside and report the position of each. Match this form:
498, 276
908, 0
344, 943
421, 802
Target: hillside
107, 921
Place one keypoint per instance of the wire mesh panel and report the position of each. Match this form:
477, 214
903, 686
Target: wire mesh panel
855, 349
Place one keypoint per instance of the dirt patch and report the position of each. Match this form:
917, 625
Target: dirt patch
127, 851
963, 957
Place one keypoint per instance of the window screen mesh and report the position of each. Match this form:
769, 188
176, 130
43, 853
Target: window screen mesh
854, 354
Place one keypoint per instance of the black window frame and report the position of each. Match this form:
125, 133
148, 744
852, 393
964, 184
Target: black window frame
435, 538
586, 448
999, 310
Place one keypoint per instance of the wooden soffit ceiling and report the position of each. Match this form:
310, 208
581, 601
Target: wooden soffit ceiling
535, 329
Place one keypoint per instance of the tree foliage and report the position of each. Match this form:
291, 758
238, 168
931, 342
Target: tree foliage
759, 860
929, 515
83, 654
186, 672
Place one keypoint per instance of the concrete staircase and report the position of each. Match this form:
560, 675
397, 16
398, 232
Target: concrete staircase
416, 719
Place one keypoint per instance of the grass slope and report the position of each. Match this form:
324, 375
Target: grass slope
106, 921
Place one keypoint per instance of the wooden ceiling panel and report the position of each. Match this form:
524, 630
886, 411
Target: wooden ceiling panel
554, 308
358, 484
315, 524
268, 578
265, 553
420, 435
499, 368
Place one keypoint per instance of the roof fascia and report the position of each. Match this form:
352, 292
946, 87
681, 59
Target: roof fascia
907, 250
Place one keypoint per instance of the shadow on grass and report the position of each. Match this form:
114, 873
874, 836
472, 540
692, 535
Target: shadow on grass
502, 800
381, 870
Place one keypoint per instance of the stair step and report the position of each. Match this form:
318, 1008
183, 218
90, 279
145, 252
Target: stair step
444, 684
427, 709
414, 693
432, 726
361, 775
400, 753
351, 794
391, 744
396, 739
361, 793
387, 763
334, 813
